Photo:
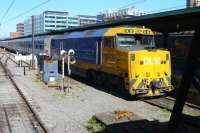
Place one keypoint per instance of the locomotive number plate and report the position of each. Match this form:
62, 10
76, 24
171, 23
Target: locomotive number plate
152, 60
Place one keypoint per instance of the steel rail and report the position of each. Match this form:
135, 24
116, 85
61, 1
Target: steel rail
157, 104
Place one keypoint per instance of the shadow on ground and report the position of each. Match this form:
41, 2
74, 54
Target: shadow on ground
118, 92
102, 87
188, 124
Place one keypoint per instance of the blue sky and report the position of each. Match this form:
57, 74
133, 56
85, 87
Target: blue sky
87, 7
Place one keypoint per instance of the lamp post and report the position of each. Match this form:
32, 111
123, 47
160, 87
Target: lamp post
33, 38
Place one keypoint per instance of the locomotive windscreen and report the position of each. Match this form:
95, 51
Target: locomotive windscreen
130, 42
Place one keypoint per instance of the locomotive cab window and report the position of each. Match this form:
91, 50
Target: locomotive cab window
130, 42
109, 42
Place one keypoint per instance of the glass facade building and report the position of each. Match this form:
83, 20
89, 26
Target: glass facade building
50, 21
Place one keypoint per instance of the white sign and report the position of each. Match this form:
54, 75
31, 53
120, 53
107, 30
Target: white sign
23, 57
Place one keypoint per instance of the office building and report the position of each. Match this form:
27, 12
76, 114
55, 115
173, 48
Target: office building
86, 19
118, 14
47, 21
72, 22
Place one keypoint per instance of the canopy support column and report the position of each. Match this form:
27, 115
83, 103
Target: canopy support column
182, 91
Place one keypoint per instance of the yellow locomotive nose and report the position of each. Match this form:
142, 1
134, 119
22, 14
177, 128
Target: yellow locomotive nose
150, 73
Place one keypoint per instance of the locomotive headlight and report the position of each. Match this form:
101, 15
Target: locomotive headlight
133, 57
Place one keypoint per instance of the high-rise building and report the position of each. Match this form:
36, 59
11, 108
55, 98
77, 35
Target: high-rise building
20, 28
193, 3
86, 19
120, 13
50, 21
47, 21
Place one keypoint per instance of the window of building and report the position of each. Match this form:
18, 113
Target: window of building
60, 21
60, 26
49, 25
72, 18
49, 16
61, 17
48, 21
72, 22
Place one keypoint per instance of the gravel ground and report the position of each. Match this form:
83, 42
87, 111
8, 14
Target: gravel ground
70, 113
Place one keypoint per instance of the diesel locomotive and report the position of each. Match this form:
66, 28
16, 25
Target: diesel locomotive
124, 56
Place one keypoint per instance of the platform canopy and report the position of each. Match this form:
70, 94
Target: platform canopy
170, 21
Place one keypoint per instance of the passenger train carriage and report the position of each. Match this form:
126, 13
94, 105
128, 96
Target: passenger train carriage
116, 56
24, 44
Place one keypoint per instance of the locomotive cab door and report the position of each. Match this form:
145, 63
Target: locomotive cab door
109, 55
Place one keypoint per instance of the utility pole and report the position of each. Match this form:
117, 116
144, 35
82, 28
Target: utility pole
33, 38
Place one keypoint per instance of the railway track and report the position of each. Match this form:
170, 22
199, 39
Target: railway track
16, 114
191, 113
167, 103
187, 103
